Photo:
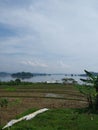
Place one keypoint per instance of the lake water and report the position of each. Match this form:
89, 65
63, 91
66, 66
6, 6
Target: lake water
49, 78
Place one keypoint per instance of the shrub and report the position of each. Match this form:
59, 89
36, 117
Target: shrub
3, 102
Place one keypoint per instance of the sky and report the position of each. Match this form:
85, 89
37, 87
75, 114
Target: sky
50, 36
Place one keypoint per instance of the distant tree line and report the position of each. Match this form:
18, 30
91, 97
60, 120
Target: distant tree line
17, 81
22, 75
25, 75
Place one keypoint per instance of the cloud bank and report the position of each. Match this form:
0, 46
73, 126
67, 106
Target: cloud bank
48, 36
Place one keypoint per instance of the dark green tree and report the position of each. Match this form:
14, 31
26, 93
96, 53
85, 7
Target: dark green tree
17, 81
69, 81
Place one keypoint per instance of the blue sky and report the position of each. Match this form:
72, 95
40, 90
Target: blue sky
51, 36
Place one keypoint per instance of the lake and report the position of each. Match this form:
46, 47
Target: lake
48, 78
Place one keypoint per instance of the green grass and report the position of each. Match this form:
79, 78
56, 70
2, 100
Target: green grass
10, 89
33, 85
59, 119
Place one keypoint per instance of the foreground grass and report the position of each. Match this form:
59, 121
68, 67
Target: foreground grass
59, 119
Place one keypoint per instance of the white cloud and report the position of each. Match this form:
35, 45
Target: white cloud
35, 63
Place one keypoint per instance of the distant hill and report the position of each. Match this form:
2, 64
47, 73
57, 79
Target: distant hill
25, 75
22, 75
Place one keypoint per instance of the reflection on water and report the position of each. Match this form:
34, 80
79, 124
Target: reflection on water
49, 78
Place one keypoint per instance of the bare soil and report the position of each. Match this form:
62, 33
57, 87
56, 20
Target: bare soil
21, 100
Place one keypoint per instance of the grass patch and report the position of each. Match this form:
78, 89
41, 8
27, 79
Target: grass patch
59, 119
37, 86
10, 89
29, 111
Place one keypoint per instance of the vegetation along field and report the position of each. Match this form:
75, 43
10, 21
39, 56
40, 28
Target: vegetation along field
67, 106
